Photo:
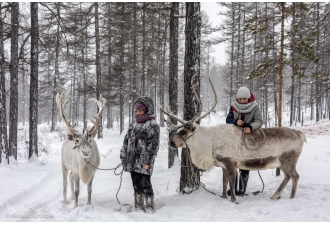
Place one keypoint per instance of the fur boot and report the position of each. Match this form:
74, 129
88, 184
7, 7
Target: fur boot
138, 200
149, 204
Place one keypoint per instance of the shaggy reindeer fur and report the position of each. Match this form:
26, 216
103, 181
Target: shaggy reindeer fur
73, 160
222, 146
78, 149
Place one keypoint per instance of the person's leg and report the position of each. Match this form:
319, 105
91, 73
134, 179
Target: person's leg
148, 193
243, 180
136, 180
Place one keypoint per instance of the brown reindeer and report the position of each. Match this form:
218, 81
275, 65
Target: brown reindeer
223, 146
77, 150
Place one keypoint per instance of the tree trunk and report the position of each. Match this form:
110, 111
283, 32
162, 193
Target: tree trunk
280, 89
98, 67
23, 104
13, 115
109, 118
173, 73
190, 178
121, 97
57, 72
143, 49
3, 116
33, 118
293, 27
134, 97
232, 54
318, 72
83, 61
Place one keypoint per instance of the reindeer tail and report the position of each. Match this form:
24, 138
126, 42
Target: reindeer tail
303, 135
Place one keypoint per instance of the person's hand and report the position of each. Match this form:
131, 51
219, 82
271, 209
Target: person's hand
247, 130
145, 166
240, 122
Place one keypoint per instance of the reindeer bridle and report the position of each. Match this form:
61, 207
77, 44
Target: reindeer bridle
84, 140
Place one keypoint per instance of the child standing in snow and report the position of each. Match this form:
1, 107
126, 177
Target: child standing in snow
244, 112
140, 147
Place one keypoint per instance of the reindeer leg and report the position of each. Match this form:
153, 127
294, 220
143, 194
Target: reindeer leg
72, 185
65, 176
224, 184
77, 181
294, 177
285, 181
292, 172
231, 175
89, 190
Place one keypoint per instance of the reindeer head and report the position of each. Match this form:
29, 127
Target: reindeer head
180, 133
83, 141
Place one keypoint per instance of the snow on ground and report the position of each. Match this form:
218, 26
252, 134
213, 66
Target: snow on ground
33, 191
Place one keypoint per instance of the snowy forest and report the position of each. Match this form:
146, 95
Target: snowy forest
123, 50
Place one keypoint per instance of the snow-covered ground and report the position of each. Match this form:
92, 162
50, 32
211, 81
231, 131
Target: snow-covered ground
35, 191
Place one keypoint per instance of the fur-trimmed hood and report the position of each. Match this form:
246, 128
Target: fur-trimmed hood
148, 102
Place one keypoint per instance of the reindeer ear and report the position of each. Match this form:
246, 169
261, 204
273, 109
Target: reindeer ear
193, 129
92, 135
70, 137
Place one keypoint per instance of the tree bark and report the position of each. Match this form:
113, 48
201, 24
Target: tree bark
13, 81
98, 67
143, 49
280, 89
33, 118
121, 78
3, 115
173, 73
190, 178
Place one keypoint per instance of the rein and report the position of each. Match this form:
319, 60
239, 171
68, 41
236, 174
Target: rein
117, 174
200, 183
250, 149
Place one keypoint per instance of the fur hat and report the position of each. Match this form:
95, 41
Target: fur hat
243, 92
140, 106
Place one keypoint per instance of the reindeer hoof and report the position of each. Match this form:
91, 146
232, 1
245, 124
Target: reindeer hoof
275, 197
223, 196
65, 202
234, 201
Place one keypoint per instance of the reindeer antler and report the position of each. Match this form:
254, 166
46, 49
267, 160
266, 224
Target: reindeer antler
214, 104
170, 114
200, 109
100, 105
198, 116
61, 107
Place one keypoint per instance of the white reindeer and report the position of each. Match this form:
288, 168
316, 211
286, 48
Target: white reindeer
77, 150
223, 146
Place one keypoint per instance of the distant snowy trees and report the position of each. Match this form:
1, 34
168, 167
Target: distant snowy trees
127, 49
280, 51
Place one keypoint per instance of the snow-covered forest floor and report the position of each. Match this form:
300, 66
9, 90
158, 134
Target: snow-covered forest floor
31, 190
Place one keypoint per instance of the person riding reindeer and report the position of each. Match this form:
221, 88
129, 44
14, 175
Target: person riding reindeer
245, 113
